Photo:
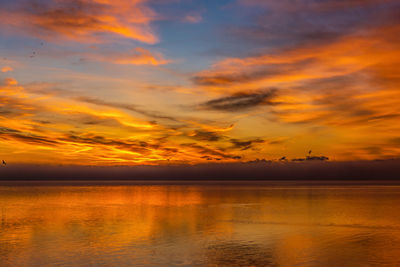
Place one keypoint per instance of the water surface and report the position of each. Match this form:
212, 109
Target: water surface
199, 225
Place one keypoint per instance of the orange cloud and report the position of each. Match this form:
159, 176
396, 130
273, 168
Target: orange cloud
348, 87
140, 56
343, 57
6, 69
10, 81
85, 20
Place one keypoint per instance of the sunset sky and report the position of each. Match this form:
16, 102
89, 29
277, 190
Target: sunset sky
128, 82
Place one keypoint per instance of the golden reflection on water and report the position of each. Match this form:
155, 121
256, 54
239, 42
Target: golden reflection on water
199, 226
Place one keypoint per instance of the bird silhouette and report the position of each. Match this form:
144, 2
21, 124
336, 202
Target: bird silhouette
4, 163
283, 158
309, 152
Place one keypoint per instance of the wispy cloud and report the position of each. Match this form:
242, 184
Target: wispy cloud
137, 56
192, 18
292, 23
130, 107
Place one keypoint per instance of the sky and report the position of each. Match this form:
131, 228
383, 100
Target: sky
154, 82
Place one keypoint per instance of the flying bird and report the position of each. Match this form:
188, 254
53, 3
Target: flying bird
4, 163
309, 152
283, 158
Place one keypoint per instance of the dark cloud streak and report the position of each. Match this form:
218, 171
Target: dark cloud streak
240, 101
8, 133
211, 151
245, 145
125, 106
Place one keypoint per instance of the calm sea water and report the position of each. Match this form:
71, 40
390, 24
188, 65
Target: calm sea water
199, 225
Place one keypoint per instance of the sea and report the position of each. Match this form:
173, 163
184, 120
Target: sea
158, 223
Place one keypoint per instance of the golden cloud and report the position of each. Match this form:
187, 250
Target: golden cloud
86, 131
